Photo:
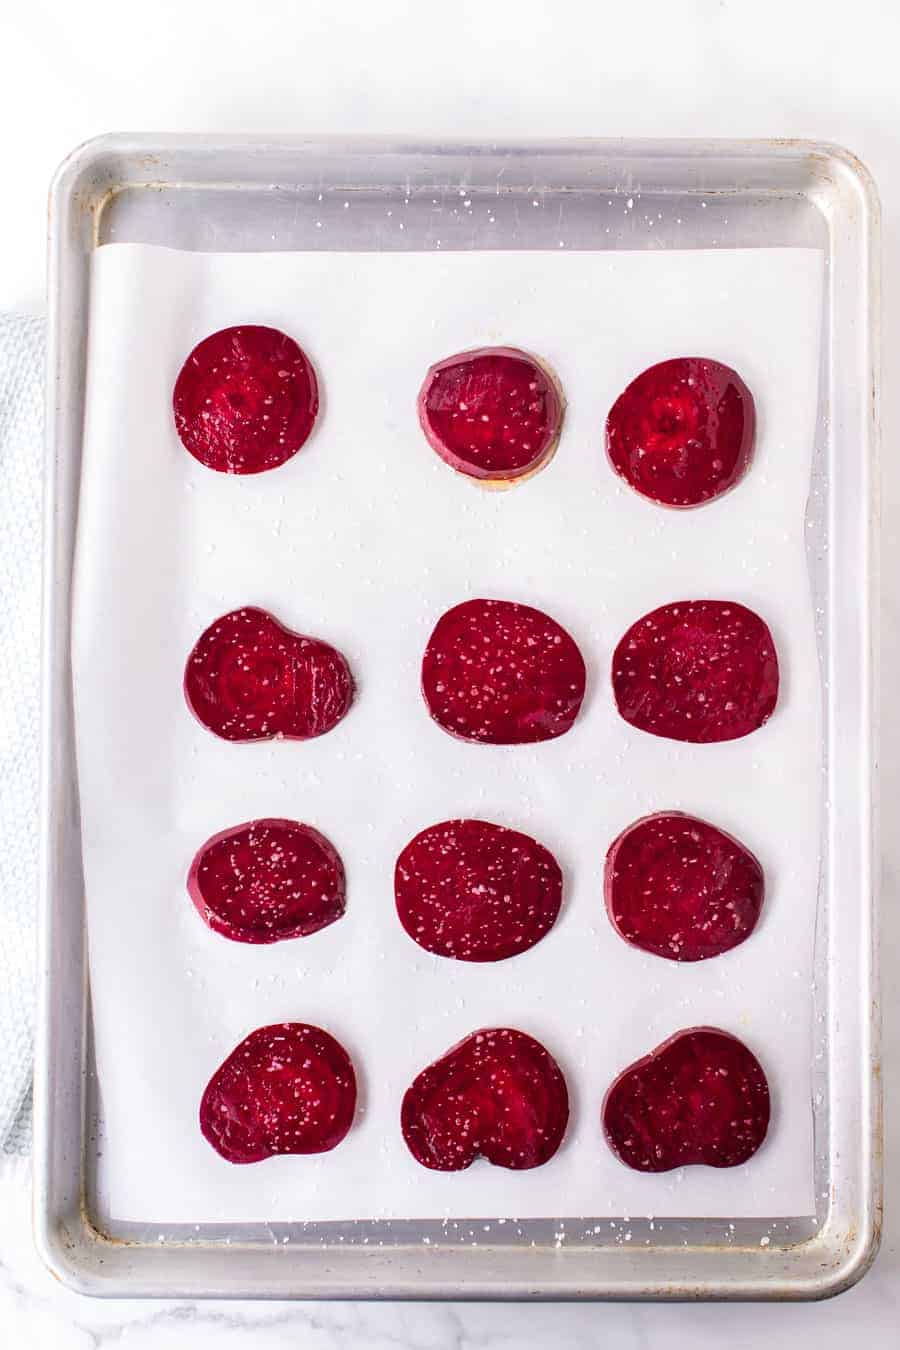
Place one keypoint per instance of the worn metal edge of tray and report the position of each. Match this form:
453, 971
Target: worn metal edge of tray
79, 1255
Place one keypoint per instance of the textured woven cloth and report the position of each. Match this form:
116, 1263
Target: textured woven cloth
21, 436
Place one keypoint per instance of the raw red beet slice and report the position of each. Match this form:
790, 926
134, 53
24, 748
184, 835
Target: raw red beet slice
497, 1095
245, 400
287, 1088
493, 414
682, 432
250, 679
697, 670
502, 673
476, 891
678, 887
700, 1097
266, 881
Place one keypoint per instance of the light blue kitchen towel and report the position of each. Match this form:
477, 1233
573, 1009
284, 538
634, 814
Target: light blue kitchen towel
21, 440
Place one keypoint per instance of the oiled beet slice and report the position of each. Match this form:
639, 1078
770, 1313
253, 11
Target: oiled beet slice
267, 880
493, 414
476, 891
502, 673
246, 399
682, 432
700, 1097
287, 1088
250, 679
697, 670
497, 1095
678, 887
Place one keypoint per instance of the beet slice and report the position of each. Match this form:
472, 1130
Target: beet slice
287, 1088
250, 679
245, 400
497, 1095
476, 891
682, 432
678, 887
266, 881
502, 673
700, 1097
697, 670
493, 414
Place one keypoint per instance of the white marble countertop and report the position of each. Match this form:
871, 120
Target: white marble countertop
482, 68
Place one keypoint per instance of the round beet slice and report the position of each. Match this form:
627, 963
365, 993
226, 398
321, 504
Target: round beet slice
250, 679
502, 673
287, 1088
476, 891
697, 670
246, 399
497, 1095
682, 432
493, 414
700, 1097
266, 881
678, 887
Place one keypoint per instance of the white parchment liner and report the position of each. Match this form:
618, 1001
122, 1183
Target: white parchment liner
364, 538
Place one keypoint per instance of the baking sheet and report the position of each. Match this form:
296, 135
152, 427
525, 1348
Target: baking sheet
364, 538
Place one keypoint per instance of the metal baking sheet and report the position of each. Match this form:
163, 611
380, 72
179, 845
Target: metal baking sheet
256, 194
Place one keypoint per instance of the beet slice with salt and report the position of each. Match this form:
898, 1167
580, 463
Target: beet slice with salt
246, 400
493, 414
266, 881
697, 670
497, 1095
502, 673
682, 432
287, 1088
700, 1097
475, 891
680, 888
249, 678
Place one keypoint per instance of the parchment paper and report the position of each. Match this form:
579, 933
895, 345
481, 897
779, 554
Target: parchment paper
364, 538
